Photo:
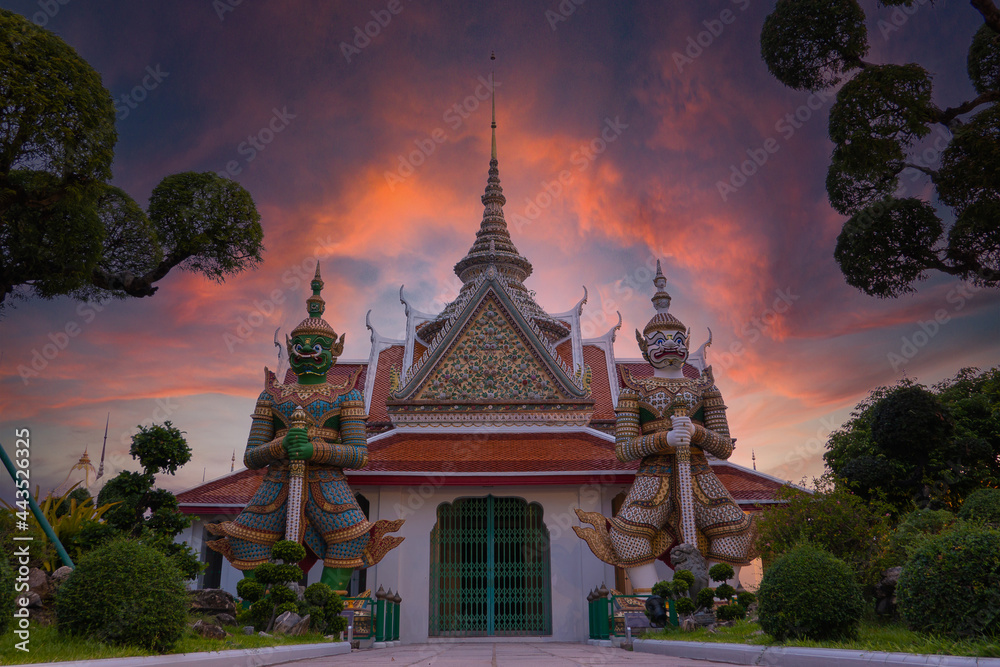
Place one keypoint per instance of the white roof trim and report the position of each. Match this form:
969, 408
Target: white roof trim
783, 482
379, 343
607, 343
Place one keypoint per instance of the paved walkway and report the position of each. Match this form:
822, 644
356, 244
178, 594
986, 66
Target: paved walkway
537, 654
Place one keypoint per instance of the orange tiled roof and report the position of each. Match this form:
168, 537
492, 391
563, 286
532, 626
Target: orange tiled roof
235, 489
494, 452
600, 388
569, 458
387, 358
565, 352
746, 484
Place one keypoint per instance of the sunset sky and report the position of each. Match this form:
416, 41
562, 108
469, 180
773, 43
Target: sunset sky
371, 155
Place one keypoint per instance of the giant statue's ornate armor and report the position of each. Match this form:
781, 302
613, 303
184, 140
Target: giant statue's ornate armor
648, 524
331, 524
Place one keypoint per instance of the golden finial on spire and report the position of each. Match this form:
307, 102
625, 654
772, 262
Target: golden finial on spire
493, 96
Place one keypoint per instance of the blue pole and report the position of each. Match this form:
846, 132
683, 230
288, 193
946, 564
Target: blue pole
42, 521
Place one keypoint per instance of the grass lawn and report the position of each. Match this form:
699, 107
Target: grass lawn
47, 645
872, 636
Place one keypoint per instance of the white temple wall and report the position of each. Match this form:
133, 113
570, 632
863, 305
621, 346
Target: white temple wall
575, 571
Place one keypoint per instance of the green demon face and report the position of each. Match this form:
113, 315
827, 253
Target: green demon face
666, 348
310, 355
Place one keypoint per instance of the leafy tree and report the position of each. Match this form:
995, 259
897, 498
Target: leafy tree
834, 519
63, 228
149, 514
923, 448
882, 113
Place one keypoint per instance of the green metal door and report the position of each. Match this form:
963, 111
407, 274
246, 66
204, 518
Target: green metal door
490, 569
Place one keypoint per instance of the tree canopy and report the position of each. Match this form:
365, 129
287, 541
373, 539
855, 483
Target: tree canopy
919, 447
882, 115
64, 230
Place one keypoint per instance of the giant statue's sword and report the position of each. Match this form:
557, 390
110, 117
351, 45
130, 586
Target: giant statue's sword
296, 479
680, 407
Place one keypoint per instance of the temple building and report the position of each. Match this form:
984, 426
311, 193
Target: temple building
489, 423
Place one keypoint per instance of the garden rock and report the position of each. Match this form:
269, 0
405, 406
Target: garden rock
38, 582
60, 576
290, 623
687, 557
704, 619
302, 627
885, 592
248, 629
34, 599
209, 630
212, 601
688, 625
225, 619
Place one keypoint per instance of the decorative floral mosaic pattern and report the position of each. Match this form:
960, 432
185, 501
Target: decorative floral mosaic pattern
489, 360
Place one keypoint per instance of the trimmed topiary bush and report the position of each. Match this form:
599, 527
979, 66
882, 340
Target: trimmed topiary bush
684, 606
268, 589
951, 584
809, 594
124, 593
721, 572
706, 598
982, 505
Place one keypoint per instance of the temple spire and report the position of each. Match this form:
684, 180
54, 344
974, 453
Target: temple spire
493, 99
493, 244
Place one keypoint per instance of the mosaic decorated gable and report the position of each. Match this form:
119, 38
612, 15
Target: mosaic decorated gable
490, 359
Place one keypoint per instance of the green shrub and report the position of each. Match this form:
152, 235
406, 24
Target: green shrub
731, 612
288, 551
250, 590
665, 589
706, 598
982, 505
951, 584
915, 528
809, 593
324, 607
745, 599
684, 606
721, 572
6, 594
318, 594
125, 593
725, 592
686, 576
269, 590
834, 519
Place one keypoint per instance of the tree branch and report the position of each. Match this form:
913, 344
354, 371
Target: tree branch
991, 15
951, 113
133, 285
927, 170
